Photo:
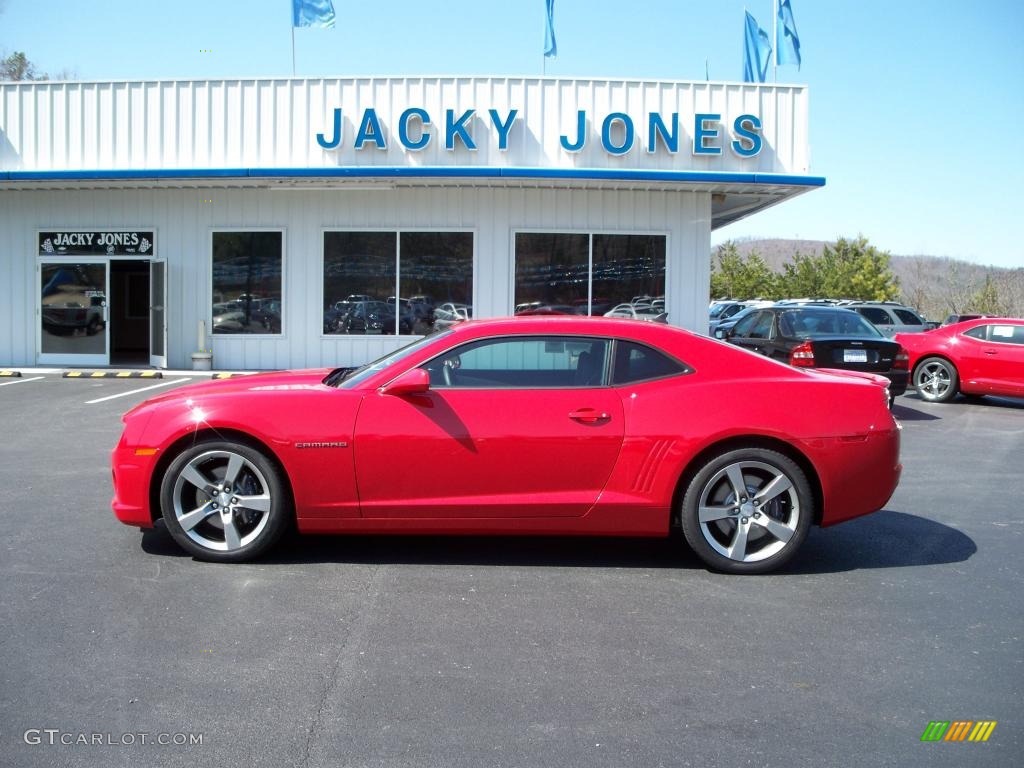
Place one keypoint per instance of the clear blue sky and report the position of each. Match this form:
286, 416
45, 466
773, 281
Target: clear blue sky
916, 108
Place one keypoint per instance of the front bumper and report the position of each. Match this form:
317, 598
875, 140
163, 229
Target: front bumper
131, 475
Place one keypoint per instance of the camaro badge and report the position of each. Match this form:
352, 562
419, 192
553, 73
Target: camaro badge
322, 445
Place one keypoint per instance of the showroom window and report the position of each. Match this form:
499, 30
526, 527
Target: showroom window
599, 274
530, 362
396, 282
247, 270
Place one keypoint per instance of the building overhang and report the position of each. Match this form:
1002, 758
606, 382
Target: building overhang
734, 195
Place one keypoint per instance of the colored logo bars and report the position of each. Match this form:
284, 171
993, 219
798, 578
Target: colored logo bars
958, 730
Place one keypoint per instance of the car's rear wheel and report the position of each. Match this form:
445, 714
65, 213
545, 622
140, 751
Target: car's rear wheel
224, 501
936, 379
747, 510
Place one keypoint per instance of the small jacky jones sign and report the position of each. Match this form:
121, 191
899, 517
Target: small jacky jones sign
91, 243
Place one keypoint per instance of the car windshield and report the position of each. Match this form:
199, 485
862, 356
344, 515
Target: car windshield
348, 378
814, 323
717, 310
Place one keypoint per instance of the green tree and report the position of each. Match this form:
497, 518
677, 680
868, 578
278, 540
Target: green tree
802, 277
17, 67
847, 269
987, 300
741, 277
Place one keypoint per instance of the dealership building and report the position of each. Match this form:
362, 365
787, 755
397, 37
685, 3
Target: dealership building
302, 222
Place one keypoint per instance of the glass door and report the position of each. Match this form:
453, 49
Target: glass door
157, 314
73, 312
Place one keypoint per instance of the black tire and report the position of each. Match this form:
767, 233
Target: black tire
936, 380
258, 507
771, 532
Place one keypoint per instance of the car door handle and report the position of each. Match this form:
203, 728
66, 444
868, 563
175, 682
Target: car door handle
990, 352
588, 415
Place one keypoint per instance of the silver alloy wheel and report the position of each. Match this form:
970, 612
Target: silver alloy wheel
221, 500
748, 511
933, 379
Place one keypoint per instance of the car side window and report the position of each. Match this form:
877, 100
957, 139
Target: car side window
636, 362
1006, 334
876, 315
978, 332
908, 318
763, 327
743, 327
528, 362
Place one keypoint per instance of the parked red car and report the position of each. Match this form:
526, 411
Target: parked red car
527, 426
984, 356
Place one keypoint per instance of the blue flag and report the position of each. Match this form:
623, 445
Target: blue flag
757, 50
550, 46
312, 13
787, 43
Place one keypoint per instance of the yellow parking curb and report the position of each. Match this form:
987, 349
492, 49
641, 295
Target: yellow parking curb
8, 374
113, 375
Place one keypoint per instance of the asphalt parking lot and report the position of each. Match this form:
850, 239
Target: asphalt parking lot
441, 651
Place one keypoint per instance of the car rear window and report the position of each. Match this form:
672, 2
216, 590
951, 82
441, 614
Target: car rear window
812, 323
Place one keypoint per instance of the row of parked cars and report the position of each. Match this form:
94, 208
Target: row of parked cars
362, 314
975, 357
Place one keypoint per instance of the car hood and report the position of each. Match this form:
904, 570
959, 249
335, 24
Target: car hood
257, 382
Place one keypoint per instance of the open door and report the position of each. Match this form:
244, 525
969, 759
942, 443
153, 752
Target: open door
157, 313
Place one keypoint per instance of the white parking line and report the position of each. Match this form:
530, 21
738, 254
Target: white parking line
21, 381
136, 391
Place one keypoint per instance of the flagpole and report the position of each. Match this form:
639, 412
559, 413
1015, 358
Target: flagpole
775, 40
293, 49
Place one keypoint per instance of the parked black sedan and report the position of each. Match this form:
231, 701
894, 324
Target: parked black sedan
822, 337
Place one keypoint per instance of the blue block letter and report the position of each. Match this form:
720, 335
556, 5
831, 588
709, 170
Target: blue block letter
503, 128
606, 133
369, 130
701, 133
656, 127
745, 134
403, 129
581, 134
453, 127
322, 140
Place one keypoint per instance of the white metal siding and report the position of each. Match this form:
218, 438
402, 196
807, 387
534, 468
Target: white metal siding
273, 123
183, 223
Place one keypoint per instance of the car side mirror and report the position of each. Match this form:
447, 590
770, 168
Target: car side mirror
720, 334
414, 382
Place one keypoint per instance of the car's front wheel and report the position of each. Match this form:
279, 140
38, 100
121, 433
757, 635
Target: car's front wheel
936, 379
747, 511
224, 501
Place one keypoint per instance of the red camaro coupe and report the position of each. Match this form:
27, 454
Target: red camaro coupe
518, 426
976, 357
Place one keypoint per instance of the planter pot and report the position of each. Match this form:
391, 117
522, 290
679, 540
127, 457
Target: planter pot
202, 361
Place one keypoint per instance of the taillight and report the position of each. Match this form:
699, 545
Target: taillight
902, 361
802, 356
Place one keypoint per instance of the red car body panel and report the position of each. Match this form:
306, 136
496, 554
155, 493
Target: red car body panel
985, 367
524, 461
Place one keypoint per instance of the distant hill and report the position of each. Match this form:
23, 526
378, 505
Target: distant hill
935, 285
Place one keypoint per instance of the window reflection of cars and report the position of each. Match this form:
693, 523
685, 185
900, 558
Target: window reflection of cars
450, 313
228, 318
372, 317
266, 312
334, 316
638, 312
67, 311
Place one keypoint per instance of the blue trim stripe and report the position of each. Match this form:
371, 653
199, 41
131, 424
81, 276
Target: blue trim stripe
436, 172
